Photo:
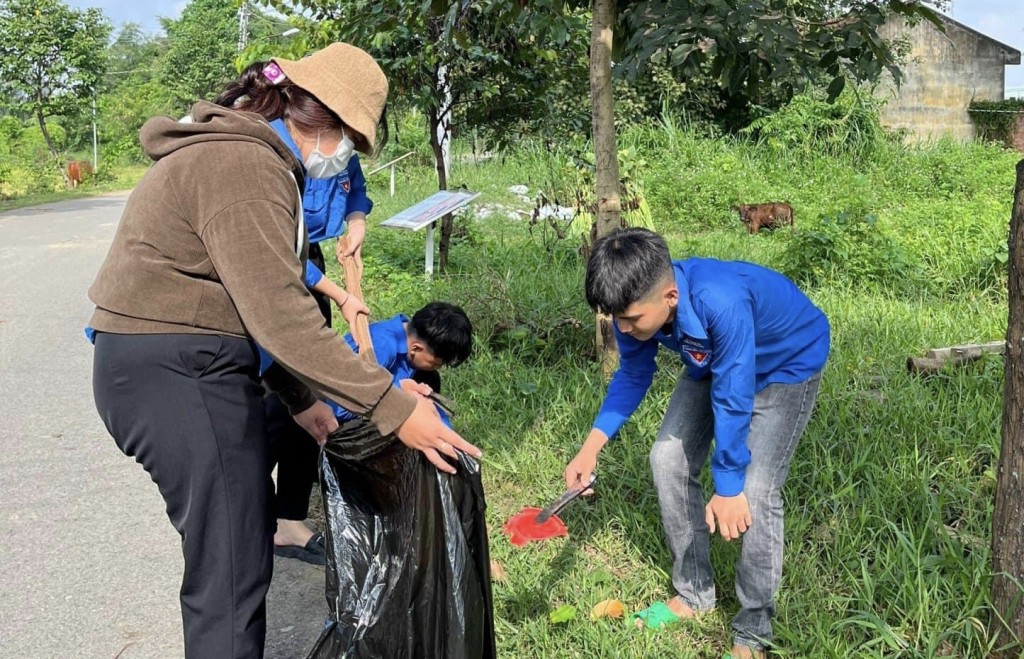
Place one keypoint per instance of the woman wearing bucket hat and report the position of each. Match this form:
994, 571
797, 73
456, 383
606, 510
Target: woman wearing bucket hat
334, 200
208, 259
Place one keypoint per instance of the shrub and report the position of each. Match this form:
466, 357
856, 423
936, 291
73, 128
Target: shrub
849, 127
850, 248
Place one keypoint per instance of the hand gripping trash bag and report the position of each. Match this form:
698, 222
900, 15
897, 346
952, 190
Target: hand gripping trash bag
408, 570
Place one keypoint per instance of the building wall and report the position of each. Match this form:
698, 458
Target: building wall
945, 72
1017, 137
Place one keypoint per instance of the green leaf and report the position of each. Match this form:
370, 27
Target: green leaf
562, 614
835, 88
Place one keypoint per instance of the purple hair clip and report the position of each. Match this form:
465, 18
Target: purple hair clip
273, 73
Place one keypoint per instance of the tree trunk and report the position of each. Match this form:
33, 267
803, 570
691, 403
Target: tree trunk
442, 184
1007, 623
606, 159
440, 144
53, 149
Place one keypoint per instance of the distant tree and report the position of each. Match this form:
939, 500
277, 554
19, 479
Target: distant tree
487, 63
203, 47
52, 58
133, 51
132, 92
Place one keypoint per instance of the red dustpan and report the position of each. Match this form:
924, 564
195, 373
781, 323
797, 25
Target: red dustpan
534, 524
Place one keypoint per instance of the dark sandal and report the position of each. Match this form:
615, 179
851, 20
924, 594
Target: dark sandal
314, 551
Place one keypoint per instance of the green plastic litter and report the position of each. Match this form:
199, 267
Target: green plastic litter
655, 616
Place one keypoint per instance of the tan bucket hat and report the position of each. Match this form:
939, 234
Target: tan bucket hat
347, 80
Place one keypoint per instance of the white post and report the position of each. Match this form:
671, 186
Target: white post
95, 150
428, 263
444, 136
243, 25
393, 179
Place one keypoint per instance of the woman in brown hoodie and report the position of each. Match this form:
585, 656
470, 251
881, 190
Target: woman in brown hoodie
207, 259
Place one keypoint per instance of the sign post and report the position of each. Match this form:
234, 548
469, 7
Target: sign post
426, 213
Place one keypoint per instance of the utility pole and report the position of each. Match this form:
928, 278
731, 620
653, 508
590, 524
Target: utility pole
243, 26
95, 149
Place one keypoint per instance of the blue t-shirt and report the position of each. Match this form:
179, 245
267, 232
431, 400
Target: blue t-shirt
390, 347
327, 202
740, 324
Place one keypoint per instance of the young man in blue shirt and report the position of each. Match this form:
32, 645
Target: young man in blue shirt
412, 350
753, 347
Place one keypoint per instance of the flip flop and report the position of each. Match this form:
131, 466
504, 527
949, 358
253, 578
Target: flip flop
314, 551
655, 616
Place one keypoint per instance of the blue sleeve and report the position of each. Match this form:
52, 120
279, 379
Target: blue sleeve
444, 416
630, 383
733, 385
265, 359
358, 200
385, 350
313, 275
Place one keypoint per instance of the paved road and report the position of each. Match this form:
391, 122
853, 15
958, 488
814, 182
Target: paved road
89, 564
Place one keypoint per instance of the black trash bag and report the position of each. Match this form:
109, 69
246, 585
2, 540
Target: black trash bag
408, 566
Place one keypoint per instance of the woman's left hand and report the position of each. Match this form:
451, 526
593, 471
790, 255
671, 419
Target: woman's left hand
353, 246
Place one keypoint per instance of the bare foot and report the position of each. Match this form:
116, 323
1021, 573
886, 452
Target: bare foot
292, 532
743, 652
681, 608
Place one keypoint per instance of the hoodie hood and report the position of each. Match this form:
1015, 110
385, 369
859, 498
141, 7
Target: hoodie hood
209, 122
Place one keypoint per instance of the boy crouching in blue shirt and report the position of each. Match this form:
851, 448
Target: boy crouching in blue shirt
753, 347
413, 350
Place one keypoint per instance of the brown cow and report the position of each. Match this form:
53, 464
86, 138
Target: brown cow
765, 216
77, 171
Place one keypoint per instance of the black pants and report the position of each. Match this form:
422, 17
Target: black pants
189, 409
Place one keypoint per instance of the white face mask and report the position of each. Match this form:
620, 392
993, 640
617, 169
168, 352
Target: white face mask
319, 165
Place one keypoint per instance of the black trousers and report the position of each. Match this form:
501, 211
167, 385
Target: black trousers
189, 409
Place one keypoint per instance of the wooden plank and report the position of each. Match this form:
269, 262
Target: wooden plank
965, 350
936, 358
353, 284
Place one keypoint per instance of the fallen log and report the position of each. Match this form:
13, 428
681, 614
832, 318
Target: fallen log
936, 358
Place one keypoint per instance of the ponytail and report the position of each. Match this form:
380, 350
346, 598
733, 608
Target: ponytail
252, 92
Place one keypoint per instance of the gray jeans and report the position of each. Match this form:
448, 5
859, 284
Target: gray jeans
781, 412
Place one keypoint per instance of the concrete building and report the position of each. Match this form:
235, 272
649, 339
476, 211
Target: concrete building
943, 74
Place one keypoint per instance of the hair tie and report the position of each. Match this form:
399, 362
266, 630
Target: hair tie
273, 73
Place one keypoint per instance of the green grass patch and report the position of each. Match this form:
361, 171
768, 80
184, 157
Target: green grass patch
114, 179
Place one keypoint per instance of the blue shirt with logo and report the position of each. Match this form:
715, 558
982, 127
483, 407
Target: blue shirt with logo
390, 347
327, 202
740, 324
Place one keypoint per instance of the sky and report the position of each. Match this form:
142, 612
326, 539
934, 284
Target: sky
1003, 20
